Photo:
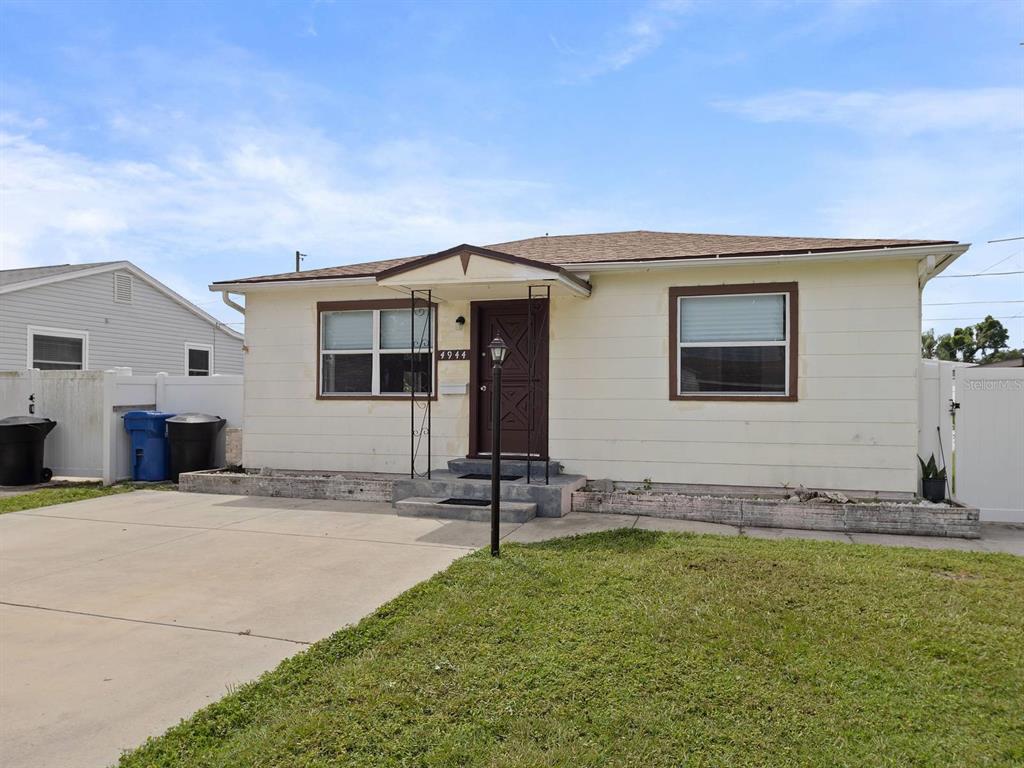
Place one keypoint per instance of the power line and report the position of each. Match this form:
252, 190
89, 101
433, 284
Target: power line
1006, 239
975, 317
983, 274
955, 303
1005, 258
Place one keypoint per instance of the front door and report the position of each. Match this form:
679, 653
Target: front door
524, 422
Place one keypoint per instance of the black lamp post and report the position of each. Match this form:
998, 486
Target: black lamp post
499, 351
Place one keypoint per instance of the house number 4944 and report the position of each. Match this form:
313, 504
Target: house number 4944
453, 354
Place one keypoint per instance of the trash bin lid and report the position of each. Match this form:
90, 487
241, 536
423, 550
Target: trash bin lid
12, 421
146, 415
194, 418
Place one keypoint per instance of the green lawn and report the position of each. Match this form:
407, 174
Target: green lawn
44, 497
633, 648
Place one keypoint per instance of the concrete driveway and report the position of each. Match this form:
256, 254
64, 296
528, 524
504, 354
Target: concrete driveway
121, 615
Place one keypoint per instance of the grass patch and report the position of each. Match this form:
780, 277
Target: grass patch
635, 648
45, 497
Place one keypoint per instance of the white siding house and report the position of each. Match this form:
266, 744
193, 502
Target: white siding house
101, 316
675, 358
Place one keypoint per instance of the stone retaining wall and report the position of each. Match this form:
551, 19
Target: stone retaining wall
855, 517
354, 486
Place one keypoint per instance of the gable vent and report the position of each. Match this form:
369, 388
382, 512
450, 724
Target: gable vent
122, 288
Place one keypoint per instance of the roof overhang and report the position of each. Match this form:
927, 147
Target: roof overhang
465, 271
931, 259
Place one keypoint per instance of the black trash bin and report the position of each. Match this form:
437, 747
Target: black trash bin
21, 450
192, 440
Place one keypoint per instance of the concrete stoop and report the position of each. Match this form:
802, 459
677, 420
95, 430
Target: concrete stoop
508, 467
480, 512
553, 499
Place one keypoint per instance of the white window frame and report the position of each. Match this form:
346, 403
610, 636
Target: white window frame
67, 333
375, 352
695, 344
189, 345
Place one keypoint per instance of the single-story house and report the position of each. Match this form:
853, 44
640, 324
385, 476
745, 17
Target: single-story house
78, 317
668, 357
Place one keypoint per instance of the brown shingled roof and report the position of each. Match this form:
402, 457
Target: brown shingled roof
566, 250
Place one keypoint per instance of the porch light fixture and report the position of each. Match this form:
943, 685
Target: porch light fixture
499, 351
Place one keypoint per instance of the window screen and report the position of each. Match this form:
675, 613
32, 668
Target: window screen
57, 353
198, 362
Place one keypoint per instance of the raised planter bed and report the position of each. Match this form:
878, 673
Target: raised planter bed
912, 517
295, 484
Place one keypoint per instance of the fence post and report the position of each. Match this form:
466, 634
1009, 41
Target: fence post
110, 424
31, 406
160, 397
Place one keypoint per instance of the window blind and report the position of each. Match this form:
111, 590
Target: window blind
395, 331
348, 330
732, 318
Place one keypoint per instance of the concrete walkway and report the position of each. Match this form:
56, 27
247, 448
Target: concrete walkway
121, 615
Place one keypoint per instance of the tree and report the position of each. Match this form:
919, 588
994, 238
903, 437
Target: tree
990, 336
965, 343
944, 347
959, 345
928, 344
1004, 354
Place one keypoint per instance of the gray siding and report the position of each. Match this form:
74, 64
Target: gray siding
148, 335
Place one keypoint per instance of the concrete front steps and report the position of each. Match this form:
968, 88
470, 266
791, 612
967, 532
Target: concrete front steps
469, 480
478, 512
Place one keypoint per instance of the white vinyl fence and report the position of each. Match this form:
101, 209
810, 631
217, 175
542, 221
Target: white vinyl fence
89, 439
979, 413
990, 441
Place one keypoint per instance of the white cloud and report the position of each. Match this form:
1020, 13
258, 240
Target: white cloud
241, 207
899, 113
920, 193
641, 35
217, 167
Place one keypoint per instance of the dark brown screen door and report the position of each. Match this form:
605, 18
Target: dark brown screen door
522, 429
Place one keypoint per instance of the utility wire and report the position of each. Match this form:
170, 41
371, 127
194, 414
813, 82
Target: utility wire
1006, 258
954, 303
981, 274
975, 317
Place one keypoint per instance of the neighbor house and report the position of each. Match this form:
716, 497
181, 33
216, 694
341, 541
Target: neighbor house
673, 358
107, 315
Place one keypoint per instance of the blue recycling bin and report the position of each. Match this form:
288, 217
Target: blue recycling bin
148, 434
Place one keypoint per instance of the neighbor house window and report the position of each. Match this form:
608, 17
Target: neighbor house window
733, 341
375, 349
55, 349
198, 359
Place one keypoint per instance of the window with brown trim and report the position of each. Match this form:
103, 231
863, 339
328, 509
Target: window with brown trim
733, 342
375, 349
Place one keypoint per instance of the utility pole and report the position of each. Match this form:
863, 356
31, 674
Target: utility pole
298, 258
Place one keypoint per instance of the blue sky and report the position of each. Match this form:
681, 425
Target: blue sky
210, 141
